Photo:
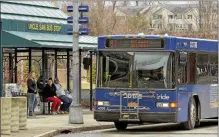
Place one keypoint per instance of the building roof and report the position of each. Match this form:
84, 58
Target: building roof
182, 8
177, 9
39, 40
38, 11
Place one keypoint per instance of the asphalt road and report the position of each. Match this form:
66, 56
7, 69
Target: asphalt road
208, 128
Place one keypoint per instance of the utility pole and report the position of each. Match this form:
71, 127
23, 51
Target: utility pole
75, 110
218, 59
1, 61
1, 67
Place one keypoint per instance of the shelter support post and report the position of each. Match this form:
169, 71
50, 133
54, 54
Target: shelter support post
15, 67
56, 65
91, 81
46, 64
11, 68
80, 75
30, 59
43, 73
68, 71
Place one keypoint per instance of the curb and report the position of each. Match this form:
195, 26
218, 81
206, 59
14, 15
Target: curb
74, 130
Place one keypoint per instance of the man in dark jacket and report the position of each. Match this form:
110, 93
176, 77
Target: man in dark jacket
40, 85
32, 91
49, 94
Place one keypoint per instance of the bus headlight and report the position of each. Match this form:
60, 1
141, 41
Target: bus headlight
166, 105
100, 103
103, 103
162, 105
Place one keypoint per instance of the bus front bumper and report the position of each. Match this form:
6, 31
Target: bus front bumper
154, 117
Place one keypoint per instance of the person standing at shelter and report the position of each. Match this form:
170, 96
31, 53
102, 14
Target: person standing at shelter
49, 94
62, 96
32, 93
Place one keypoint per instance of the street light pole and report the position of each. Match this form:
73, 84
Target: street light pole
1, 71
1, 61
75, 110
218, 60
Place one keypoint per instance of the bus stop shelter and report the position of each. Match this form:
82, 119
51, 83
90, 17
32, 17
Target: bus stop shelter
36, 31
43, 46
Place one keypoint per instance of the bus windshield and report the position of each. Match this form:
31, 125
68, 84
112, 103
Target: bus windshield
135, 70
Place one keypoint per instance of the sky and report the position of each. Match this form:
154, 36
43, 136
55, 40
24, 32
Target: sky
132, 3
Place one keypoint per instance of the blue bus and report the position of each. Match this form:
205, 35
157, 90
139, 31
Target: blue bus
156, 79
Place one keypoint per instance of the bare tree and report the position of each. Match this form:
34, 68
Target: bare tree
106, 20
137, 2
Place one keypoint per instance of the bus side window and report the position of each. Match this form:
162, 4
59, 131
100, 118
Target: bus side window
213, 68
203, 68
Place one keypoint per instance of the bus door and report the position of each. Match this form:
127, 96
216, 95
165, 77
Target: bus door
192, 68
187, 68
182, 68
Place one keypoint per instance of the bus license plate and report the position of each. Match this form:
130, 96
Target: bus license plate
125, 116
132, 104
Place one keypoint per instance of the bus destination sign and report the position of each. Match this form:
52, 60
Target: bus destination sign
134, 43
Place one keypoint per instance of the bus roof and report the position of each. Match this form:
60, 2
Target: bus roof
171, 43
153, 37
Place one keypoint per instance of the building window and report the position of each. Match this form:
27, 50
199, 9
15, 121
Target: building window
171, 26
154, 17
178, 16
159, 16
159, 26
189, 17
179, 26
170, 16
189, 26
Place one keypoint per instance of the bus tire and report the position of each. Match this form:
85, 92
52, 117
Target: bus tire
192, 115
120, 125
198, 121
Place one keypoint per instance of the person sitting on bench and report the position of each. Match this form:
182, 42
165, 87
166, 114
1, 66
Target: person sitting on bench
63, 97
49, 94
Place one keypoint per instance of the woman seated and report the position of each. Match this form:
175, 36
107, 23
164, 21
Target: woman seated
63, 97
49, 94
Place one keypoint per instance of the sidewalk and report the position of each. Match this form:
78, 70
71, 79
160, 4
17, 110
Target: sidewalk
40, 124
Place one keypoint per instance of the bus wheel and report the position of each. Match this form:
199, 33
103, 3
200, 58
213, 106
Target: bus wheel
198, 122
120, 125
190, 124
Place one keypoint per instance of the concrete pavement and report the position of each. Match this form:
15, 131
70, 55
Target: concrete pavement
208, 128
40, 124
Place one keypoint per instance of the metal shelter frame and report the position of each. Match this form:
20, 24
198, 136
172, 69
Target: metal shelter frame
12, 55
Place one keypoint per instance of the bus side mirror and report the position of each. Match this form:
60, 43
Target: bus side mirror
86, 63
